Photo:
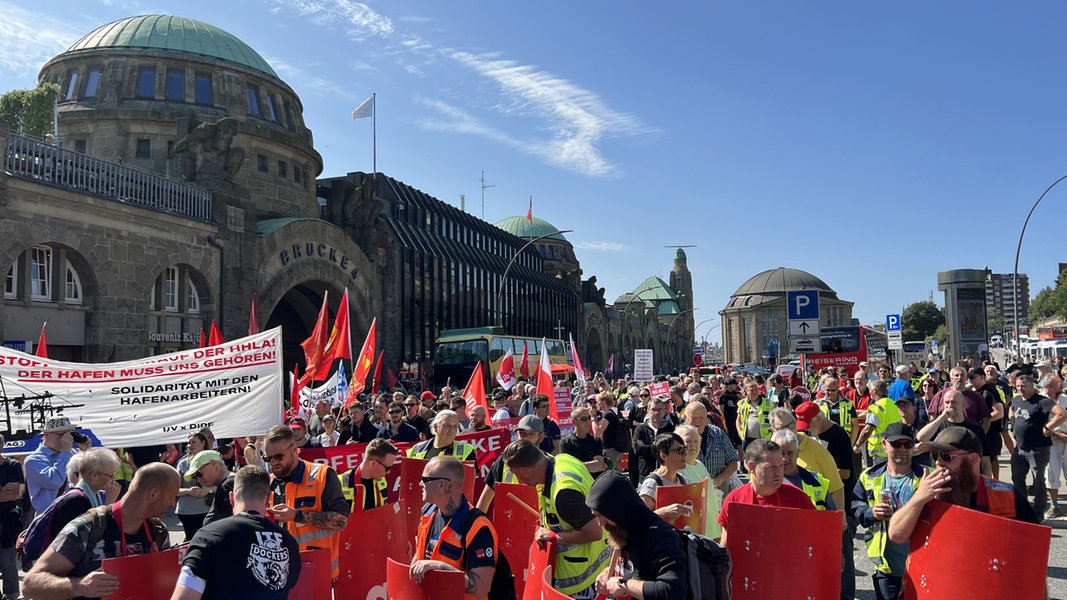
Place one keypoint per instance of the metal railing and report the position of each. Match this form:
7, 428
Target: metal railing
32, 159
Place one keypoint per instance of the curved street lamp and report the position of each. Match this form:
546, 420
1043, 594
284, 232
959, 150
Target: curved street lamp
626, 319
504, 277
704, 339
1015, 274
671, 327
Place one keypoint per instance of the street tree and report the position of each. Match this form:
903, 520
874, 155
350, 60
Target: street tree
1051, 301
919, 321
30, 112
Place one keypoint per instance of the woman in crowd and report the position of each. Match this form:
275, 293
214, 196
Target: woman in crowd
192, 499
670, 452
695, 472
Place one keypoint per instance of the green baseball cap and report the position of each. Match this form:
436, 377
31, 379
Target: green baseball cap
199, 460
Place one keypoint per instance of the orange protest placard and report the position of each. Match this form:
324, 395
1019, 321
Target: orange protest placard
806, 563
694, 495
954, 548
436, 585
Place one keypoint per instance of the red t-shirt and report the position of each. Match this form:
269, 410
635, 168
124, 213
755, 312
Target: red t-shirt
787, 496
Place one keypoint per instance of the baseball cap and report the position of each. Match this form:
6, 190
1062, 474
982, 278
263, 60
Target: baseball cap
976, 373
864, 364
532, 424
909, 399
805, 413
427, 395
297, 422
899, 431
933, 370
329, 417
199, 460
956, 438
902, 369
57, 424
729, 381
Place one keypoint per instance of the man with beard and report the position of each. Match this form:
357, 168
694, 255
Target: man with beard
956, 480
415, 418
975, 410
650, 545
881, 490
243, 556
396, 429
766, 467
645, 433
478, 420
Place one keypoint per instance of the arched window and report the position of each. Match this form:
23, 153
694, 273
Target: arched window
73, 288
11, 281
192, 299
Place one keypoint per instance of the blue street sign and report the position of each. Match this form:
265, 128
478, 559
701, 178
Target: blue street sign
802, 305
892, 322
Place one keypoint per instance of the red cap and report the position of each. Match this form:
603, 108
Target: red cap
297, 422
427, 395
805, 413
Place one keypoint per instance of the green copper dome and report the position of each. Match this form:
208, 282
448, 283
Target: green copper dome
165, 32
520, 226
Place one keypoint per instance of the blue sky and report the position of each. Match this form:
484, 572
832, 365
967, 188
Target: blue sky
872, 144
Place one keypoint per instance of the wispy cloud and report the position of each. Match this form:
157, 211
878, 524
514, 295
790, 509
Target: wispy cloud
362, 21
300, 77
459, 121
601, 246
29, 39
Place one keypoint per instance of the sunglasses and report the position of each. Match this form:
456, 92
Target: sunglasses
198, 474
278, 457
396, 412
582, 419
406, 404
942, 455
384, 466
426, 480
901, 444
679, 450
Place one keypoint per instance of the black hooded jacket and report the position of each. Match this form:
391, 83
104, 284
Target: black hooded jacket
652, 544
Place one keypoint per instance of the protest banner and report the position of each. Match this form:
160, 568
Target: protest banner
812, 550
563, 409
694, 495
660, 388
362, 564
436, 585
942, 561
515, 525
151, 575
236, 389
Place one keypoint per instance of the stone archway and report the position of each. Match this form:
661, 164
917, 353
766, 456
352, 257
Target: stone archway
594, 352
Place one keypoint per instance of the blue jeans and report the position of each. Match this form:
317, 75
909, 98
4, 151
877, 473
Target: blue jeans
1034, 462
848, 560
9, 570
886, 587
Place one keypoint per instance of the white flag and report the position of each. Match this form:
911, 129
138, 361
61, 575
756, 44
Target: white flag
365, 110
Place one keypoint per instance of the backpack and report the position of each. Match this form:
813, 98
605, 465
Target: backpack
621, 443
503, 585
708, 564
32, 542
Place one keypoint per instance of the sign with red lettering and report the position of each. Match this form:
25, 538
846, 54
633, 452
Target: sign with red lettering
436, 585
693, 495
362, 564
515, 525
1010, 562
151, 575
806, 562
563, 409
660, 388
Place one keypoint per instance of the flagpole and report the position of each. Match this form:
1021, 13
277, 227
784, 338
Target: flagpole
374, 135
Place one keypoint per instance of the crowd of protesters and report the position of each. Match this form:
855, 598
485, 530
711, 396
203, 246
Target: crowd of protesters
877, 444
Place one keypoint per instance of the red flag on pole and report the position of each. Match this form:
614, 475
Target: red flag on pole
42, 344
544, 381
216, 336
203, 340
392, 379
474, 393
505, 374
253, 319
313, 346
378, 372
340, 343
579, 372
362, 366
524, 364
294, 391
529, 213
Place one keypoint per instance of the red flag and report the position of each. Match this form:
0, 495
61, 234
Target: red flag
362, 367
474, 393
544, 381
524, 364
340, 343
378, 372
294, 391
42, 345
203, 340
579, 372
529, 213
253, 319
505, 374
216, 336
313, 346
392, 379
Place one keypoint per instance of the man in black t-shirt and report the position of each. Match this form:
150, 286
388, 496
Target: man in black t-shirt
245, 556
989, 393
582, 444
728, 401
70, 567
1034, 416
953, 415
12, 485
552, 432
359, 429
